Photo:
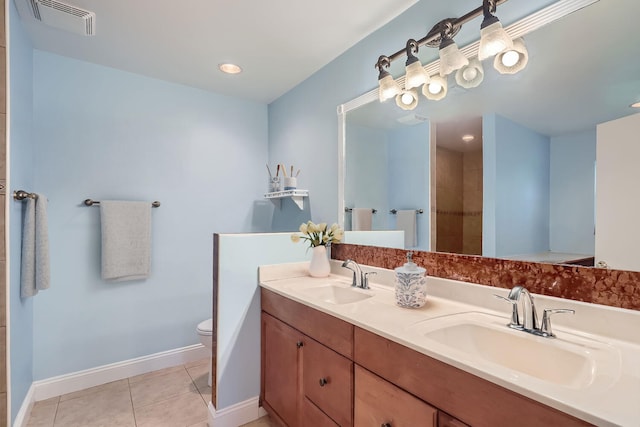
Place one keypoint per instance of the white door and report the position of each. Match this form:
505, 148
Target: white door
618, 193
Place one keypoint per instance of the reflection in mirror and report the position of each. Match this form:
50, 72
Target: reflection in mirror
538, 134
458, 186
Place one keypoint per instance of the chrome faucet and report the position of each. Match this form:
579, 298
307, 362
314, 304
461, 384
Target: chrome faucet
363, 281
519, 297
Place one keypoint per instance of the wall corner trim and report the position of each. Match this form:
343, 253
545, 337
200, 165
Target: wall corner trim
22, 418
235, 415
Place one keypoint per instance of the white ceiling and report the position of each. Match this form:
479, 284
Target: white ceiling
184, 41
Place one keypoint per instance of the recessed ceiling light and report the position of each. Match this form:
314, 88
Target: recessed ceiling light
230, 68
636, 105
468, 138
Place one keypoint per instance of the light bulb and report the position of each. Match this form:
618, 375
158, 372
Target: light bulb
510, 58
435, 88
407, 98
470, 73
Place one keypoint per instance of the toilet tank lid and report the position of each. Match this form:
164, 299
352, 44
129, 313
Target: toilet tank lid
206, 325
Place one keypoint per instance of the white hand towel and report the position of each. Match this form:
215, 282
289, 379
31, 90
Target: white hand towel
126, 240
406, 220
43, 275
34, 269
361, 219
28, 261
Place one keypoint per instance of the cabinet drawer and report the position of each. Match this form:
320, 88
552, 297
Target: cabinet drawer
380, 403
327, 379
330, 331
313, 416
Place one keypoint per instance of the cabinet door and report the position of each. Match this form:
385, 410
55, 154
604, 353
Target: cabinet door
380, 403
280, 371
328, 382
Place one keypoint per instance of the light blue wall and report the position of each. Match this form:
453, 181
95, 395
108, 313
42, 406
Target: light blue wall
408, 153
366, 179
21, 163
106, 134
572, 206
521, 187
489, 172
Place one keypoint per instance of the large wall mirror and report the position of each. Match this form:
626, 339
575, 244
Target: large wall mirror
524, 187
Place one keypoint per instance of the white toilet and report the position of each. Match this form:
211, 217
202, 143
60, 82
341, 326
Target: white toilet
204, 330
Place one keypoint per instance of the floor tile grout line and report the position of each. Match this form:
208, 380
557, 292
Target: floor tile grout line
133, 409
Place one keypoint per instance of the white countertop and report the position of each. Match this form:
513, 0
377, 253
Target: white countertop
611, 399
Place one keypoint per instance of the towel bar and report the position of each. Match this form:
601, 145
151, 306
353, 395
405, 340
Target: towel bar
21, 195
351, 209
395, 211
89, 202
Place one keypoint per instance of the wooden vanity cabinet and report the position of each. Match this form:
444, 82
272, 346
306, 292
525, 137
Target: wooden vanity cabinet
307, 367
320, 371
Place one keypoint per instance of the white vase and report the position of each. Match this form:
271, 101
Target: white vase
319, 266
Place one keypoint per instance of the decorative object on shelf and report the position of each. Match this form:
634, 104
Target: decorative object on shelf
319, 236
290, 183
410, 284
506, 46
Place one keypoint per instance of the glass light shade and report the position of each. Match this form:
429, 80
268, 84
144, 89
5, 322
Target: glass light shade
513, 60
493, 40
471, 75
388, 88
416, 75
451, 59
436, 89
407, 100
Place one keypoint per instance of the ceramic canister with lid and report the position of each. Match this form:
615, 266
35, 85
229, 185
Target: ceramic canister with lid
410, 284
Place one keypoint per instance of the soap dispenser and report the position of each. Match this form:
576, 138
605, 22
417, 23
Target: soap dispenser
410, 284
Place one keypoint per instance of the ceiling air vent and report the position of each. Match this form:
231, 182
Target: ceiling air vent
64, 16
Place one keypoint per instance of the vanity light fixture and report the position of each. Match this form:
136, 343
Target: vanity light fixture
416, 75
468, 138
387, 86
451, 59
408, 99
512, 60
635, 105
493, 38
229, 68
436, 89
470, 75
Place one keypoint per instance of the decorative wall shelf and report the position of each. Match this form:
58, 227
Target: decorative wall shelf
296, 195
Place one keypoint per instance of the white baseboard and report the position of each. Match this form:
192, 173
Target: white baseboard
56, 386
235, 415
22, 418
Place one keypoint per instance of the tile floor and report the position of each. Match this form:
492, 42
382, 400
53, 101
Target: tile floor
172, 397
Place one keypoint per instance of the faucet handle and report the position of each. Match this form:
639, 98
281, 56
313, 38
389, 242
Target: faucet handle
545, 328
515, 317
365, 279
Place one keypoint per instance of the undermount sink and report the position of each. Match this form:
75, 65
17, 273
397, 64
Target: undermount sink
334, 294
568, 361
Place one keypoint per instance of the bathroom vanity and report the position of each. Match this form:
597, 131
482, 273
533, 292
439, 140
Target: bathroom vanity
334, 355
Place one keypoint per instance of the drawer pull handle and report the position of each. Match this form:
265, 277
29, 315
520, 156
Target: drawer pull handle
299, 344
323, 382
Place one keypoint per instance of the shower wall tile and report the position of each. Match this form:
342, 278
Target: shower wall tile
615, 288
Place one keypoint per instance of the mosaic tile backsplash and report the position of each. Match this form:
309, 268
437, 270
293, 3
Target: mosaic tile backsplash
616, 288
